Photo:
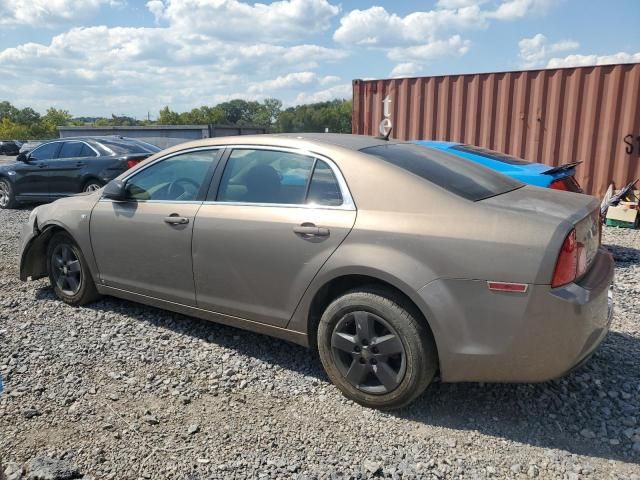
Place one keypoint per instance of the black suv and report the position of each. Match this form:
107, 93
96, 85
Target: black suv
66, 166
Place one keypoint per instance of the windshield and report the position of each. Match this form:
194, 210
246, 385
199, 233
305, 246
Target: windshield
455, 174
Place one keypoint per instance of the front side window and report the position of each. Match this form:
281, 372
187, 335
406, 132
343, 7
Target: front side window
45, 152
265, 176
178, 178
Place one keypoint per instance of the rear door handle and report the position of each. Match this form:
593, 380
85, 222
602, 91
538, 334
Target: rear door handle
80, 164
310, 230
175, 219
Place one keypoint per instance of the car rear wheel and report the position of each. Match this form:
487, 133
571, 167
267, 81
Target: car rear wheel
68, 271
92, 186
375, 349
7, 197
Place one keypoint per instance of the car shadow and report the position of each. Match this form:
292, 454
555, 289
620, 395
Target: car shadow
624, 256
579, 413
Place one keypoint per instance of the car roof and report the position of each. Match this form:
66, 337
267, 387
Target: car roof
344, 140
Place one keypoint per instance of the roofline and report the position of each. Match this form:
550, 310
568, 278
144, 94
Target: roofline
499, 72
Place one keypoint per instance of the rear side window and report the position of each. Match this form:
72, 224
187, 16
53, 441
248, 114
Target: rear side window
265, 176
324, 188
71, 150
493, 155
457, 175
87, 151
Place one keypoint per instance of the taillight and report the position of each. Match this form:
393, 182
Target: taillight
566, 184
132, 163
567, 264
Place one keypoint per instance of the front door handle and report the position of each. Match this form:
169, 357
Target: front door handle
43, 165
80, 164
175, 219
310, 230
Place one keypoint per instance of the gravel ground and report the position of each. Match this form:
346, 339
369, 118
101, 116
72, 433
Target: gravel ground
118, 390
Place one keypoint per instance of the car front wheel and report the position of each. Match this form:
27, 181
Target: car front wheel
376, 349
92, 186
7, 197
68, 271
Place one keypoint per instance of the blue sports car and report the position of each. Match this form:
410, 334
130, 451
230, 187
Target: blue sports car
538, 174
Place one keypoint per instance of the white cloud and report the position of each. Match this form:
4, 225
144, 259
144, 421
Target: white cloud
514, 9
454, 45
103, 70
407, 69
377, 27
48, 12
587, 60
337, 91
277, 21
535, 51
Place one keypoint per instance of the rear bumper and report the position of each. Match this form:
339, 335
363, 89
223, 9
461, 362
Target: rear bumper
505, 337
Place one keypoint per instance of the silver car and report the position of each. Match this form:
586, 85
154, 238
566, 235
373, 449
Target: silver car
393, 260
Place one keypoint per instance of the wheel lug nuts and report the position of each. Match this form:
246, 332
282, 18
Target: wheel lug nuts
373, 361
365, 342
362, 360
374, 349
356, 348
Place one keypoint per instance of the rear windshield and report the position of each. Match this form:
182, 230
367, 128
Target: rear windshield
119, 146
493, 155
455, 174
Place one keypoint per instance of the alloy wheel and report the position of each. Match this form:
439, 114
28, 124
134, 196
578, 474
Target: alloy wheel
92, 187
368, 352
67, 273
4, 195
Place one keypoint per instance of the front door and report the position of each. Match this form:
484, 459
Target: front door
143, 244
65, 172
276, 218
32, 176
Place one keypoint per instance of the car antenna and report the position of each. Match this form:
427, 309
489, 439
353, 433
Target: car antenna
386, 136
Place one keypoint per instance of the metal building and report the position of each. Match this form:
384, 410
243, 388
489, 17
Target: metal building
163, 136
552, 116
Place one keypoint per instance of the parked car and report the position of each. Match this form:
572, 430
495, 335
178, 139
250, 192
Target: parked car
9, 147
394, 260
538, 174
63, 167
30, 145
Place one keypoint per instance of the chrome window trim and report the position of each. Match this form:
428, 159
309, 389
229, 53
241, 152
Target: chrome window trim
347, 199
168, 156
62, 140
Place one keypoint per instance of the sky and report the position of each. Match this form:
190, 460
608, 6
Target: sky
132, 57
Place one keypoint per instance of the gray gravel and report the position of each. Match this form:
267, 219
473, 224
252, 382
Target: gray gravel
119, 390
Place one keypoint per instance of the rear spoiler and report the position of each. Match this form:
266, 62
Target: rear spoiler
561, 168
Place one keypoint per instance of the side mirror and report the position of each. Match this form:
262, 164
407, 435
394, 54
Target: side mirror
22, 157
115, 190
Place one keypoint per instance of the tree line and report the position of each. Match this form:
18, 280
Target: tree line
334, 115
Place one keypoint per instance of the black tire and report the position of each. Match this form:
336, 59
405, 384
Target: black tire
7, 195
82, 289
390, 317
92, 185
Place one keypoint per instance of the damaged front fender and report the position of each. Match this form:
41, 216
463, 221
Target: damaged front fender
33, 250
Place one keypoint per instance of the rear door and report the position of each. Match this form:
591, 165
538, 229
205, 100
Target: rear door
32, 177
143, 244
262, 236
66, 171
